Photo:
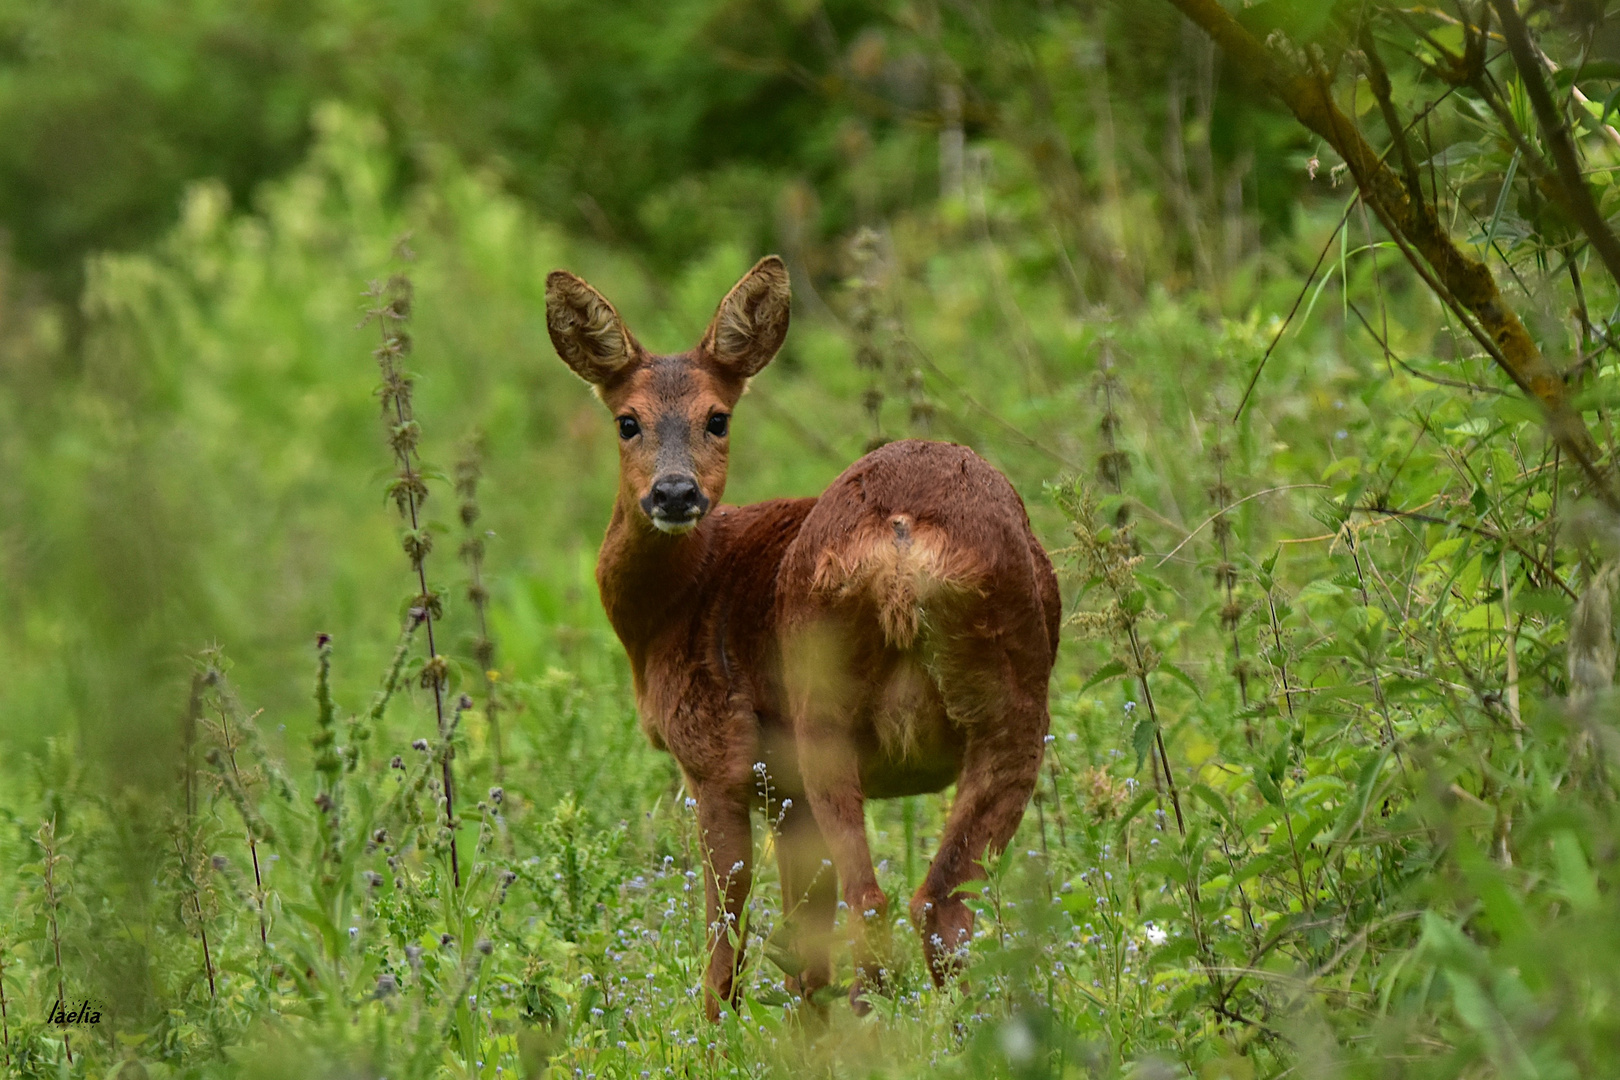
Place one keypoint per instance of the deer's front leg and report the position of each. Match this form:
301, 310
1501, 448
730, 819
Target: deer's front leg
728, 845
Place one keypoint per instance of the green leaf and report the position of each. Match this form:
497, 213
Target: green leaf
1214, 799
1355, 810
1141, 800
1175, 949
1502, 907
1608, 105
1446, 548
1574, 874
1268, 788
1142, 739
1592, 69
1176, 673
1112, 670
1501, 200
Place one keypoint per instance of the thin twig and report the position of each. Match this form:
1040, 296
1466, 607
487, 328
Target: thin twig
1218, 513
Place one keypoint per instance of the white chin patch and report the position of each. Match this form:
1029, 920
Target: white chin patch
674, 528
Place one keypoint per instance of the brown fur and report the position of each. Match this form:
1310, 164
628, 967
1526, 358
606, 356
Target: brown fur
888, 638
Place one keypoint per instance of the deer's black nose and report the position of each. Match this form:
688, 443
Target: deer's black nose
675, 498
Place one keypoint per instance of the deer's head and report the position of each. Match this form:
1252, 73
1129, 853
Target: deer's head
672, 413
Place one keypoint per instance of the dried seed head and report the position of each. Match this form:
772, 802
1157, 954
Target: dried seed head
418, 543
1231, 615
434, 672
1113, 467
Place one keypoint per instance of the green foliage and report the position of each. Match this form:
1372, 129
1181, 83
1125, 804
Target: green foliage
1329, 785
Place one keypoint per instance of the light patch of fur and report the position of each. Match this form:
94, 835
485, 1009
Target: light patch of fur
908, 693
902, 571
909, 575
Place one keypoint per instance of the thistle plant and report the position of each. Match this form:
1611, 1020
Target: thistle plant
50, 858
864, 318
1226, 573
360, 726
469, 470
233, 732
187, 850
188, 764
1113, 464
1108, 558
5, 1019
328, 761
391, 310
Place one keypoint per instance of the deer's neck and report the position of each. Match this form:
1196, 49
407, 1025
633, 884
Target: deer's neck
649, 580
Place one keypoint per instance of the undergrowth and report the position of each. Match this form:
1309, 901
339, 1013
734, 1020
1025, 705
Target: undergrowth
1329, 789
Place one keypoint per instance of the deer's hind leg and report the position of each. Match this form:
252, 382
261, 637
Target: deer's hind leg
825, 686
809, 900
1006, 726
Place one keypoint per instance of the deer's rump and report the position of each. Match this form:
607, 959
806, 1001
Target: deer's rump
904, 609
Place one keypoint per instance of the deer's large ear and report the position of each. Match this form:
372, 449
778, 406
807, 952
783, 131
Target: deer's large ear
752, 321
585, 330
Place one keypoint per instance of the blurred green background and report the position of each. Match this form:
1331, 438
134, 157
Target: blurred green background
194, 195
1063, 233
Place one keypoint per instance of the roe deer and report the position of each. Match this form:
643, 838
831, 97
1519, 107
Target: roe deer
890, 637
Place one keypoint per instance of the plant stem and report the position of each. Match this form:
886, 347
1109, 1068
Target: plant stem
193, 711
196, 907
392, 347
1158, 731
5, 1022
253, 846
47, 841
1378, 684
1057, 801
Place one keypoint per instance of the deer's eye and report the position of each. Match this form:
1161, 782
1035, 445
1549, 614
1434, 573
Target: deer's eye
719, 425
628, 428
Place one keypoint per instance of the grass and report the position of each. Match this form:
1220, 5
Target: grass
1322, 797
